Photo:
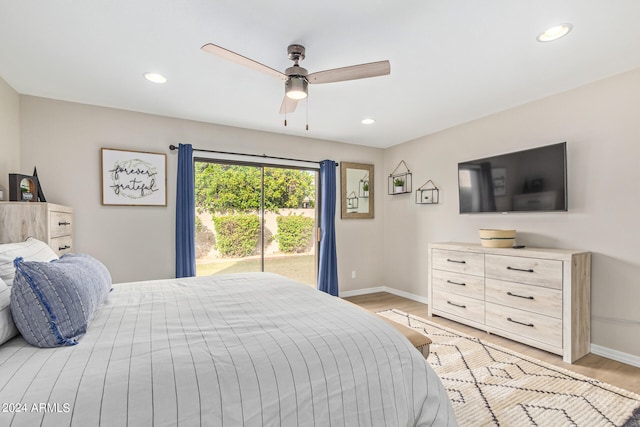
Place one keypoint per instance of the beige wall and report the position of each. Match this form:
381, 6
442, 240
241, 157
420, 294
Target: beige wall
63, 140
601, 125
599, 122
9, 135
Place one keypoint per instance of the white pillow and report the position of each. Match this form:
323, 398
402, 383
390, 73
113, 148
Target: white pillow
8, 329
31, 250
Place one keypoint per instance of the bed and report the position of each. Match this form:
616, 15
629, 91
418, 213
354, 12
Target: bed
252, 349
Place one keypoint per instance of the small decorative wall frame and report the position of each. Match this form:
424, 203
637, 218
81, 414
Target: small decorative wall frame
23, 188
133, 178
352, 200
428, 194
400, 181
363, 188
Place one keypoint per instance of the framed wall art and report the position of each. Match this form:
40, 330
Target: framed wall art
133, 178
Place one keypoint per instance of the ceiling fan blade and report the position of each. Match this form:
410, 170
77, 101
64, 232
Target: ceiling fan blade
288, 105
354, 72
242, 60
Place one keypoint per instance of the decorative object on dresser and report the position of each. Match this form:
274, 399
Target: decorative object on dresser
48, 222
399, 181
540, 297
492, 238
40, 193
133, 178
23, 188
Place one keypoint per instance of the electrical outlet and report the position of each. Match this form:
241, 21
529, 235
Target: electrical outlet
353, 274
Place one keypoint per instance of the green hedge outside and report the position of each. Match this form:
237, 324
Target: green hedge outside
294, 233
237, 235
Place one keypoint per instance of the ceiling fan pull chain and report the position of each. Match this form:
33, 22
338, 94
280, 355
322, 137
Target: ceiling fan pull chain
307, 104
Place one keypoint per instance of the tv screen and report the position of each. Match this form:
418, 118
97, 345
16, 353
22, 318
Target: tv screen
524, 181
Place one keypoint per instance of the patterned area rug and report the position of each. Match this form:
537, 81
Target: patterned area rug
492, 386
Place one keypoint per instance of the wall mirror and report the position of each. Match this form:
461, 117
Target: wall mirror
356, 197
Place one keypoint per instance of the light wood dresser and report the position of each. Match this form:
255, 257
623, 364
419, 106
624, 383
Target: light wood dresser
48, 222
540, 297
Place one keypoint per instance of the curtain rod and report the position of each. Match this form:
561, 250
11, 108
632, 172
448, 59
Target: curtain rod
262, 156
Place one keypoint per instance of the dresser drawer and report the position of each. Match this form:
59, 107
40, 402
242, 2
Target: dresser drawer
61, 245
537, 299
533, 271
60, 223
460, 262
458, 283
524, 323
468, 308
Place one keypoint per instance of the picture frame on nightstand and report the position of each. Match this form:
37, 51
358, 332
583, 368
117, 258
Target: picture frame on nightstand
23, 188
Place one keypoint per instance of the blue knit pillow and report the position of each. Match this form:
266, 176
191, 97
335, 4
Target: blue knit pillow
52, 302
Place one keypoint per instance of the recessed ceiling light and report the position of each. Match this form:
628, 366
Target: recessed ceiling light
554, 33
368, 121
155, 77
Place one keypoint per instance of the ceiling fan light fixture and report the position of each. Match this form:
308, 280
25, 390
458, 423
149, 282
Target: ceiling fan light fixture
155, 77
555, 32
296, 87
367, 121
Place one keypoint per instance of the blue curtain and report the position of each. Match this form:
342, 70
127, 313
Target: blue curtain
185, 214
328, 268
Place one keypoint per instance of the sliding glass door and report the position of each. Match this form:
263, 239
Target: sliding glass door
253, 217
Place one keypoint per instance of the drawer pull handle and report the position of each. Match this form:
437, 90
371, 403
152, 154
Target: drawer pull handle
64, 247
528, 270
456, 283
63, 223
457, 305
519, 296
520, 323
457, 261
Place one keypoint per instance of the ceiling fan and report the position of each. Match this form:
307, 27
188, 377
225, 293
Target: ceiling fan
297, 78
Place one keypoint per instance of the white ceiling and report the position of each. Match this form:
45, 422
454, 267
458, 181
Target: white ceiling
452, 61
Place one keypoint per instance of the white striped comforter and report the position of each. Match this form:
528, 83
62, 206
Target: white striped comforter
254, 349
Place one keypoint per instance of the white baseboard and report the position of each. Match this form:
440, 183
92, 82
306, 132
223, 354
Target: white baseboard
616, 355
366, 291
598, 350
393, 291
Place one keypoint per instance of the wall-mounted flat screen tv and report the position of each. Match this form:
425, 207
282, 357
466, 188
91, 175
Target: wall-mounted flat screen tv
524, 181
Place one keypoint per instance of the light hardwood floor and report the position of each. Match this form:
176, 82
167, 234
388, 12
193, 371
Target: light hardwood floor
600, 368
